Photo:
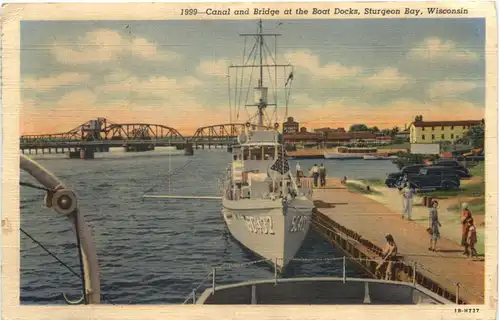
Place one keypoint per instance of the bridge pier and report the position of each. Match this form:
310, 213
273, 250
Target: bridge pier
139, 148
84, 153
87, 153
188, 149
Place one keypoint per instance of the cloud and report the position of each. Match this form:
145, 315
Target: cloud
387, 79
121, 81
103, 45
180, 111
435, 49
213, 68
310, 62
53, 82
450, 89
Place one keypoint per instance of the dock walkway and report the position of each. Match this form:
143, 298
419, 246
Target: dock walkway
373, 220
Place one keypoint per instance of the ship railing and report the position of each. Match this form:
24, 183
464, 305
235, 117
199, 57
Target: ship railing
375, 266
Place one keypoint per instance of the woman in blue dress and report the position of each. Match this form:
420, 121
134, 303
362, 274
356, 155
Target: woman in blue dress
434, 225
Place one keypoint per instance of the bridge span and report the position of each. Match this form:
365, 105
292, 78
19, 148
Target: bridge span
102, 134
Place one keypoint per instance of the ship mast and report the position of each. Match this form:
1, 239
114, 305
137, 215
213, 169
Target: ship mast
261, 102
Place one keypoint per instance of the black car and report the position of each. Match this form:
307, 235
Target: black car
394, 179
435, 178
462, 171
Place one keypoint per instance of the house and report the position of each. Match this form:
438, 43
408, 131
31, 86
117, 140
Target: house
330, 130
290, 126
437, 131
380, 139
404, 135
303, 137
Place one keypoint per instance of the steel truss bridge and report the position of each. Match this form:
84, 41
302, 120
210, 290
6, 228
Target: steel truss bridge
103, 134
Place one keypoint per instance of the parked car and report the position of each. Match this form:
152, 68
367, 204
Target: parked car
435, 178
453, 164
394, 179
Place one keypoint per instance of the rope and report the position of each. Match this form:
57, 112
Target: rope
34, 186
190, 295
80, 253
58, 260
80, 258
169, 175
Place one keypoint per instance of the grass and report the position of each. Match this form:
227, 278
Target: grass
374, 182
477, 170
475, 205
354, 187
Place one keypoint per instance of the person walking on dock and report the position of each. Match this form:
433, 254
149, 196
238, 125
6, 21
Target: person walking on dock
322, 175
389, 255
434, 225
408, 193
471, 238
298, 172
315, 174
466, 217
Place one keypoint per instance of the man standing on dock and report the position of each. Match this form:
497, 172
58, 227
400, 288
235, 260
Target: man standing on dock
322, 175
298, 172
315, 174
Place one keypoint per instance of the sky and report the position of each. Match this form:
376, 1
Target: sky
379, 72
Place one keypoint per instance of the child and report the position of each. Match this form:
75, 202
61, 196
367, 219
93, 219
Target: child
472, 238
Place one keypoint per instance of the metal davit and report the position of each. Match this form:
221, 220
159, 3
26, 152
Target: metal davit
63, 201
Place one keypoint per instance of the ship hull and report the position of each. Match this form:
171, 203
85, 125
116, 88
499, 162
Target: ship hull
269, 229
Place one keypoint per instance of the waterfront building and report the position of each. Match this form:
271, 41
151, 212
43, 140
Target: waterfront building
290, 126
404, 135
437, 131
329, 130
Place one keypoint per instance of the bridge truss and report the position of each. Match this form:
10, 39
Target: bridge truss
218, 134
102, 130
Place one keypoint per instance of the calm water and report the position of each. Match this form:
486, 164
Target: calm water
151, 251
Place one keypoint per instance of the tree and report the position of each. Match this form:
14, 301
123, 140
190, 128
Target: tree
386, 132
475, 136
405, 158
358, 128
419, 118
395, 130
374, 129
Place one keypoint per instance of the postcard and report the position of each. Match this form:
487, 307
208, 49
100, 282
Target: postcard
270, 160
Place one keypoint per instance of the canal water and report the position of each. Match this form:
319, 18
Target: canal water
152, 251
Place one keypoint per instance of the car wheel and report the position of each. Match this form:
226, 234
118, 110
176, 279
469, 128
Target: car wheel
446, 185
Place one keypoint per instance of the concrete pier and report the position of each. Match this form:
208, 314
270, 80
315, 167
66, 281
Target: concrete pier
139, 148
188, 149
358, 226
